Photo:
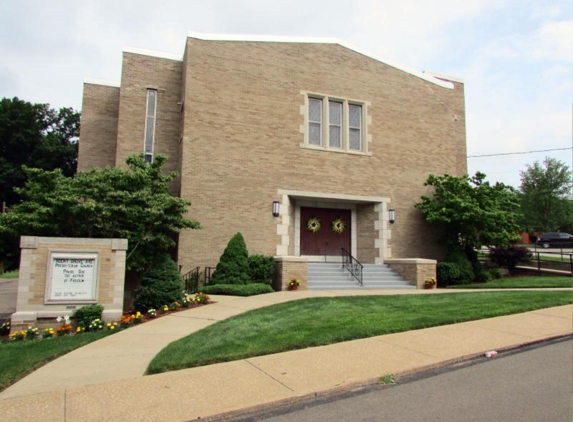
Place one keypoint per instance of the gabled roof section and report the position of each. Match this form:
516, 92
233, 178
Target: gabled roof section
310, 40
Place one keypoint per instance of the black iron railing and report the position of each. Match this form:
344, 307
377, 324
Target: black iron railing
191, 280
352, 265
563, 261
208, 273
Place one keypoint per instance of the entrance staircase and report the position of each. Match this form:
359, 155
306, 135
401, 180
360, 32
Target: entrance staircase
331, 276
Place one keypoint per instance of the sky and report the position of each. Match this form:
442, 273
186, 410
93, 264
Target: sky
514, 56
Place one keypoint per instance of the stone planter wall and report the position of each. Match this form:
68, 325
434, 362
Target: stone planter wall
287, 268
415, 270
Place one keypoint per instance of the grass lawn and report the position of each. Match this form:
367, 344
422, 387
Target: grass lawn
9, 274
321, 321
520, 283
19, 358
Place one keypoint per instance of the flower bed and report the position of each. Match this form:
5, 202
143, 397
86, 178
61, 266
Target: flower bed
127, 320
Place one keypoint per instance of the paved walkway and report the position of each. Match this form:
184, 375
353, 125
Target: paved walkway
103, 380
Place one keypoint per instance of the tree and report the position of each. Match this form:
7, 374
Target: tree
233, 266
37, 136
546, 196
134, 203
471, 212
161, 285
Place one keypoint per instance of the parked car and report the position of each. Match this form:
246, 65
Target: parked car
555, 240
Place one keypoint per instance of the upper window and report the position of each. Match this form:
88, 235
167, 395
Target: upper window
335, 124
150, 114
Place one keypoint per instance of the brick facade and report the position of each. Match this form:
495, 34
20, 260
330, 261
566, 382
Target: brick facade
231, 116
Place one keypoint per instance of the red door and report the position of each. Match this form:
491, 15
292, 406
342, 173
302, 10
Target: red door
324, 231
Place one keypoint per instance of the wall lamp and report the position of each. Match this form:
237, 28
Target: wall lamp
392, 215
276, 209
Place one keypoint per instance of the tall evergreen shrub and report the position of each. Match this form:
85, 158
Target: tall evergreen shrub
161, 285
233, 266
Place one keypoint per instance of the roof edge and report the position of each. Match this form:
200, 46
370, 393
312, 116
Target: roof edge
444, 77
153, 53
311, 40
104, 82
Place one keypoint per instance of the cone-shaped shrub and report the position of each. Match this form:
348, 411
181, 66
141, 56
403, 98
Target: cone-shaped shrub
161, 285
233, 266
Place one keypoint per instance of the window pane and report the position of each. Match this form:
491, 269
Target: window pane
314, 134
314, 110
355, 116
149, 128
355, 143
151, 97
335, 137
335, 113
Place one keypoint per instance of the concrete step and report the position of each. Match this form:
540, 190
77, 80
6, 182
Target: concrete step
331, 276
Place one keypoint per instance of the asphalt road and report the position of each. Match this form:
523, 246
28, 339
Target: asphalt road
533, 384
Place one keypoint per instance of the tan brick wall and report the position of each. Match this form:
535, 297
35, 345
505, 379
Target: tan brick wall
98, 130
288, 268
139, 73
242, 141
416, 271
366, 233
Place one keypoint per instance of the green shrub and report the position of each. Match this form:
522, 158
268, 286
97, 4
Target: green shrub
447, 273
509, 257
161, 285
465, 268
495, 273
261, 268
86, 314
233, 266
237, 289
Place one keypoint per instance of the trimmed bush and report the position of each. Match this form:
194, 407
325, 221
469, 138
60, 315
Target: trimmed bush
509, 257
495, 273
261, 269
464, 265
86, 314
456, 269
233, 266
237, 289
161, 285
447, 273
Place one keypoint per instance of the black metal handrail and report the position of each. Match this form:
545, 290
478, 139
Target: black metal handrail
208, 273
191, 280
562, 255
352, 265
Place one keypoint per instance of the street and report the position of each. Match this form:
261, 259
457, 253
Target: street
532, 384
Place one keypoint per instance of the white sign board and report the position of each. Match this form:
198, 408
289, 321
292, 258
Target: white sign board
72, 277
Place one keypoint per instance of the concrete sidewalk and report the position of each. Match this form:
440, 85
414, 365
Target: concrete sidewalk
103, 380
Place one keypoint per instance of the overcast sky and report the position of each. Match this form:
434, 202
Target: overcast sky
515, 56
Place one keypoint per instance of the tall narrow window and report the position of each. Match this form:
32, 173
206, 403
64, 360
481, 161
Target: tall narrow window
314, 121
150, 114
334, 124
355, 127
